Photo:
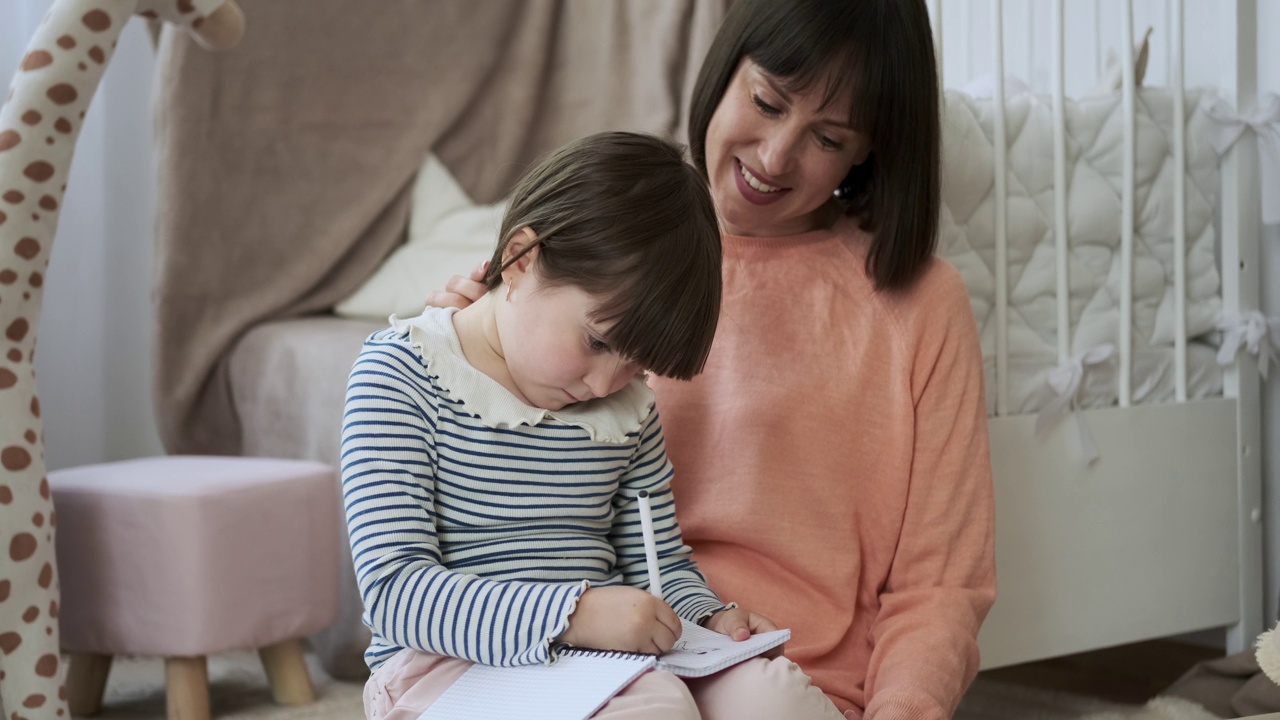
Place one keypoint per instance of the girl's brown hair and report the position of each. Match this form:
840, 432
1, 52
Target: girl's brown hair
624, 218
877, 55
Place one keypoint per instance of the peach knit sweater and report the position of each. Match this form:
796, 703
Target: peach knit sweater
833, 471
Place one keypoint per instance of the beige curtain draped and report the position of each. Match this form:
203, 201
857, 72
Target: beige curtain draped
285, 165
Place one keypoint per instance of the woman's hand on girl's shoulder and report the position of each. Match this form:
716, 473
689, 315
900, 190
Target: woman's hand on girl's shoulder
620, 617
460, 291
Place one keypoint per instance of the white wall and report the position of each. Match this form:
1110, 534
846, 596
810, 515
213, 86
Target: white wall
93, 357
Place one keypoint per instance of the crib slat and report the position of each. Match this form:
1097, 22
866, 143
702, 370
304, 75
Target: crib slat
1002, 240
935, 12
1179, 204
1127, 214
1061, 256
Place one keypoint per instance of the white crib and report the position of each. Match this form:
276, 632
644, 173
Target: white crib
1162, 535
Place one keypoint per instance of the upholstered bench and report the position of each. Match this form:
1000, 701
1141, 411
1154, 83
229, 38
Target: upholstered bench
183, 557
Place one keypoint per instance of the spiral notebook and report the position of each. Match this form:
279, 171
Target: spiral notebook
582, 680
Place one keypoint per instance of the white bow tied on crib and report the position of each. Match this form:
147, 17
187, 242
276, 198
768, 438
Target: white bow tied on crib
1265, 122
1065, 381
1254, 331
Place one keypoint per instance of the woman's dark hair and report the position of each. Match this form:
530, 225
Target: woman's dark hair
624, 218
878, 56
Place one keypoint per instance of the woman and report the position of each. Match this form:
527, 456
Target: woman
832, 466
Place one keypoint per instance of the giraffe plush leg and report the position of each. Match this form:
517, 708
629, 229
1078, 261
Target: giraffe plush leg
39, 123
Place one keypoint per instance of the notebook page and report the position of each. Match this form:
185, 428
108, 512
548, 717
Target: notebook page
700, 651
571, 689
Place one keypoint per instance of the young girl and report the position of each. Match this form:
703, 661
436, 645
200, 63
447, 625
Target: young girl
492, 457
833, 467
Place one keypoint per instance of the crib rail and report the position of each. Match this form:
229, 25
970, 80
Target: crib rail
1238, 233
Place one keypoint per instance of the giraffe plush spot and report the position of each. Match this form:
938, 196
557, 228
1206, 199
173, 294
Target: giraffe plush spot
96, 20
7, 379
15, 355
49, 203
15, 458
3, 217
53, 518
185, 6
47, 666
38, 521
31, 117
30, 436
38, 171
97, 55
14, 197
33, 701
9, 139
35, 408
62, 94
48, 141
22, 546
197, 23
31, 614
82, 66
66, 42
62, 125
6, 497
17, 330
53, 608
44, 488
9, 642
36, 279
4, 590
7, 277
27, 248
36, 59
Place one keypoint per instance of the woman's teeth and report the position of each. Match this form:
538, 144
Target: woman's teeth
753, 182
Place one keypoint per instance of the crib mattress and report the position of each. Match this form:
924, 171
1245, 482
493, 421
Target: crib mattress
1094, 172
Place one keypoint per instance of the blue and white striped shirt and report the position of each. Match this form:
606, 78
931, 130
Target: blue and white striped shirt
476, 522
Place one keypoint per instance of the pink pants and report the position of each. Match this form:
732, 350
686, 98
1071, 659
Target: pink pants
406, 685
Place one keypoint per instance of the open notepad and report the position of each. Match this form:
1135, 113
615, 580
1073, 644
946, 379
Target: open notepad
581, 680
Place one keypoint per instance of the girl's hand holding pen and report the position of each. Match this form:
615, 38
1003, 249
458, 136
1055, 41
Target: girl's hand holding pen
622, 618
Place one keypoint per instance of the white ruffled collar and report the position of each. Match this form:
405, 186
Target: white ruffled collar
610, 419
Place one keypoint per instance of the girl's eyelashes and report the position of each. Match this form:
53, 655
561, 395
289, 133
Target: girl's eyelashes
764, 107
596, 344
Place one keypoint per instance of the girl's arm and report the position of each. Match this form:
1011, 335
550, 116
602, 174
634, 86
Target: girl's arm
684, 588
942, 580
410, 599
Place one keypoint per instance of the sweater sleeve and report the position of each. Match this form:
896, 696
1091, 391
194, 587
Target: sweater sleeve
411, 599
942, 579
683, 587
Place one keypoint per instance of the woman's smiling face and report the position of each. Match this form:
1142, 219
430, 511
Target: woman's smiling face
775, 157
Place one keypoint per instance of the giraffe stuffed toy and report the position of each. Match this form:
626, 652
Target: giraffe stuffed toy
39, 124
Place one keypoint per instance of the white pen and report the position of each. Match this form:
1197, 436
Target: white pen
650, 547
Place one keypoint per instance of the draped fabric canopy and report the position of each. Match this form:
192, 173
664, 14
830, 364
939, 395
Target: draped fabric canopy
285, 166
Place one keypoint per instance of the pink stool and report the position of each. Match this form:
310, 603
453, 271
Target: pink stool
183, 557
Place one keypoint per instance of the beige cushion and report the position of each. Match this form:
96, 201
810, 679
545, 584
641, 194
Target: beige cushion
184, 556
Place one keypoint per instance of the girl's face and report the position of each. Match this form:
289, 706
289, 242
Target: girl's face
552, 349
775, 158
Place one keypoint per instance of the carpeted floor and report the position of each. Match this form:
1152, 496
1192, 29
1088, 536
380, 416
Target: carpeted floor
238, 691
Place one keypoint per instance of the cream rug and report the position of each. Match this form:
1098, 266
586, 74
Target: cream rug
238, 691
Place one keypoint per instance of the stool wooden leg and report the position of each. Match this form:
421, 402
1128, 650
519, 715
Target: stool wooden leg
287, 673
86, 681
187, 688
